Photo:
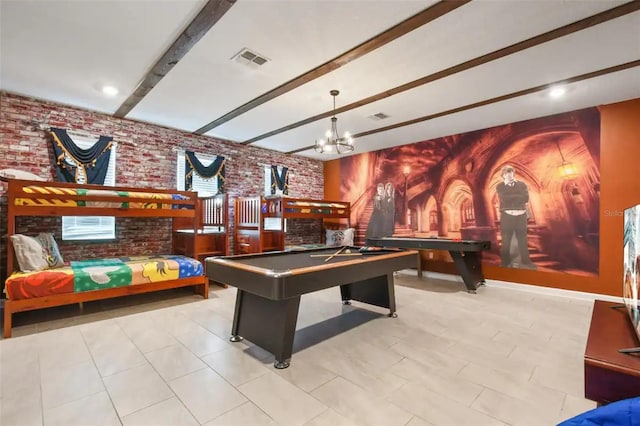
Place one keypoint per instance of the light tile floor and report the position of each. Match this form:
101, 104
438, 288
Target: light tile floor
500, 357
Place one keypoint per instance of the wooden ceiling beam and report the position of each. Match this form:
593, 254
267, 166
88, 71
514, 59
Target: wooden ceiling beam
497, 99
430, 14
199, 26
580, 25
502, 98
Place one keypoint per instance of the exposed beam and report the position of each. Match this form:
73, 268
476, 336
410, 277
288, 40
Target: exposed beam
497, 99
206, 18
580, 25
404, 27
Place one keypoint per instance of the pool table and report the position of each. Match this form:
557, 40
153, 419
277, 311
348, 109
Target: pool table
270, 286
466, 254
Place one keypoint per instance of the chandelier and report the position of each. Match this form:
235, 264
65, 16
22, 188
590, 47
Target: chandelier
332, 142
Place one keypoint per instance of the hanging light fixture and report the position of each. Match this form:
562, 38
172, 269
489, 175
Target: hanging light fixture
567, 170
332, 142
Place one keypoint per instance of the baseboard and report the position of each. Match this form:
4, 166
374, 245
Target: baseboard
521, 287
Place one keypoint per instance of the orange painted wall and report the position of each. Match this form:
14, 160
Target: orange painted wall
332, 180
619, 189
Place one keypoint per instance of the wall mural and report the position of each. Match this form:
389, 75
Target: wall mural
532, 188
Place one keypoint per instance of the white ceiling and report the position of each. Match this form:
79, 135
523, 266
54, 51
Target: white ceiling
64, 51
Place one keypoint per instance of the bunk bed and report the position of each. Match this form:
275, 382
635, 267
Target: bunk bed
260, 222
210, 237
79, 281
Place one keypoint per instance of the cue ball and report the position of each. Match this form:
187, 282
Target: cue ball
347, 251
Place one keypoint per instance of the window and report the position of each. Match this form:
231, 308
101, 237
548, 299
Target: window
92, 227
433, 220
267, 180
468, 214
204, 187
272, 223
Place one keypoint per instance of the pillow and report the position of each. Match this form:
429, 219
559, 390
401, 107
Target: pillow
29, 253
19, 174
340, 237
48, 243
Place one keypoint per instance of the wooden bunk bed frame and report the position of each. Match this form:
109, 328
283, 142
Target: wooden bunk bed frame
24, 203
251, 233
212, 236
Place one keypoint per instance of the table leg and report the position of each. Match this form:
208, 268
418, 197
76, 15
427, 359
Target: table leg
270, 324
378, 291
469, 265
236, 317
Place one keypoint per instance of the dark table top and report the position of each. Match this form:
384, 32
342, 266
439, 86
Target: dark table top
298, 261
279, 275
434, 243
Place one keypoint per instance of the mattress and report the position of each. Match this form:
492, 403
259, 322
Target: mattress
97, 274
314, 207
98, 193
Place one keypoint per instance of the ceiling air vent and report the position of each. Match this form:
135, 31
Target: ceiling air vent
379, 116
249, 58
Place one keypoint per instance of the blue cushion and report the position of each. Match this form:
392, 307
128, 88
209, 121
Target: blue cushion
619, 413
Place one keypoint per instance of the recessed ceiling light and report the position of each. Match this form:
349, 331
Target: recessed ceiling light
557, 92
109, 90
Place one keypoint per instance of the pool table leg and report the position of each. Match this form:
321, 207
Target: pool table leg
469, 265
378, 291
270, 324
236, 318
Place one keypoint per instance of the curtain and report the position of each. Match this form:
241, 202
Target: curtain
280, 180
74, 164
193, 165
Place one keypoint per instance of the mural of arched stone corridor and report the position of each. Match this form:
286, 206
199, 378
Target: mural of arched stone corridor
447, 187
457, 197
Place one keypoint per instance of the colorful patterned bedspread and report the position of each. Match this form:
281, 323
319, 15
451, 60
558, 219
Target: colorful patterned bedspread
95, 274
96, 193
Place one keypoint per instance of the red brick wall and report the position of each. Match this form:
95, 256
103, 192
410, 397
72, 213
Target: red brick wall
146, 157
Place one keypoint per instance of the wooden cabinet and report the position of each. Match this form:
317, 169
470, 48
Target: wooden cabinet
211, 223
200, 246
247, 241
206, 244
608, 374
